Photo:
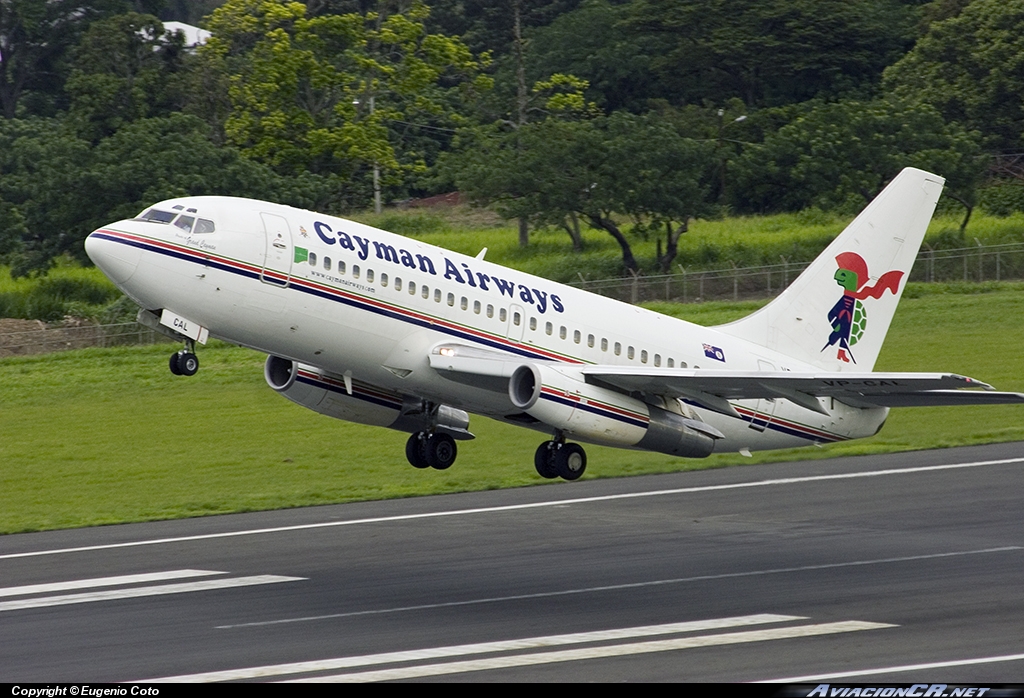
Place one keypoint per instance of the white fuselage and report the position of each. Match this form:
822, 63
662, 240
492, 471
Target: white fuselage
355, 300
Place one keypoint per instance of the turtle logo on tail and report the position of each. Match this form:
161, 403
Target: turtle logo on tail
848, 317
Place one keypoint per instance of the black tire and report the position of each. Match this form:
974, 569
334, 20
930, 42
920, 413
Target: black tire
175, 369
570, 461
188, 364
414, 451
544, 462
440, 451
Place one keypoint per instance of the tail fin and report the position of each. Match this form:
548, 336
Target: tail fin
837, 313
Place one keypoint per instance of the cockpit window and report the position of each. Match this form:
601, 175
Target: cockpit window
204, 226
157, 216
185, 223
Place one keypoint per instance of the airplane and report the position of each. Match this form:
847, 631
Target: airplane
367, 326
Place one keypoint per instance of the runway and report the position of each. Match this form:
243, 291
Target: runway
896, 568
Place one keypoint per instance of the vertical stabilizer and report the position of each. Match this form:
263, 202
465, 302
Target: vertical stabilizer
837, 313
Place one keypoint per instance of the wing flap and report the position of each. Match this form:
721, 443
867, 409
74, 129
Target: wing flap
804, 389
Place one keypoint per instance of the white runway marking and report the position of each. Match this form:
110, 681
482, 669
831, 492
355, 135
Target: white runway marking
518, 660
476, 648
104, 582
619, 587
518, 507
138, 592
900, 669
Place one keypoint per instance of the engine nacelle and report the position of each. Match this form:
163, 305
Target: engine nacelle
355, 401
561, 397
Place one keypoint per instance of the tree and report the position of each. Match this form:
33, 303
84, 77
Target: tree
840, 155
34, 38
126, 67
321, 93
774, 51
971, 68
597, 170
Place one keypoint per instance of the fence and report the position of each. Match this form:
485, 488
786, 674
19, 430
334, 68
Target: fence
49, 339
971, 264
979, 264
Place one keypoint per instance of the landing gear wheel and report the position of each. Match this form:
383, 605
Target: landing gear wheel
543, 460
440, 451
570, 461
414, 450
175, 369
188, 363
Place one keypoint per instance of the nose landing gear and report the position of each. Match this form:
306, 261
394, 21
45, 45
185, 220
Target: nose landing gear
185, 362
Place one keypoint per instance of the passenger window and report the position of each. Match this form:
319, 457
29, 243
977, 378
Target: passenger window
327, 263
412, 288
204, 226
369, 276
437, 296
643, 356
426, 291
590, 341
503, 314
516, 318
548, 328
533, 324
604, 344
185, 223
671, 363
464, 303
490, 310
657, 360
629, 353
618, 348
355, 271
384, 280
341, 267
476, 307
576, 336
451, 299
682, 364
312, 259
398, 283
561, 332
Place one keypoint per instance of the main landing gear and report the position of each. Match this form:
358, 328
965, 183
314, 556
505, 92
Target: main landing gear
560, 459
185, 362
431, 450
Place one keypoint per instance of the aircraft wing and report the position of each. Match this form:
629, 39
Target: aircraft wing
713, 389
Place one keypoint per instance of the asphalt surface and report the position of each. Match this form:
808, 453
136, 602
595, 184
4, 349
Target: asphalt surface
855, 569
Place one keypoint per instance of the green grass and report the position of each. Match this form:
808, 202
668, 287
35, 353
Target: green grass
108, 435
743, 240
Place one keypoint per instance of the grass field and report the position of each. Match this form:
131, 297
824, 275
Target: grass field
108, 435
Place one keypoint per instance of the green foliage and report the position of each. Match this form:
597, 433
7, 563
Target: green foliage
67, 290
125, 68
971, 68
323, 93
840, 155
771, 52
1001, 198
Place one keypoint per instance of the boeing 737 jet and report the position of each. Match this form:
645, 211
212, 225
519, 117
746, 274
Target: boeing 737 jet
371, 327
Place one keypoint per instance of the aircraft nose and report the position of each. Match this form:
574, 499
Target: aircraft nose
114, 256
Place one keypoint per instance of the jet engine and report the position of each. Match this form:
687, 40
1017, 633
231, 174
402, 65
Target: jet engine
342, 397
560, 397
